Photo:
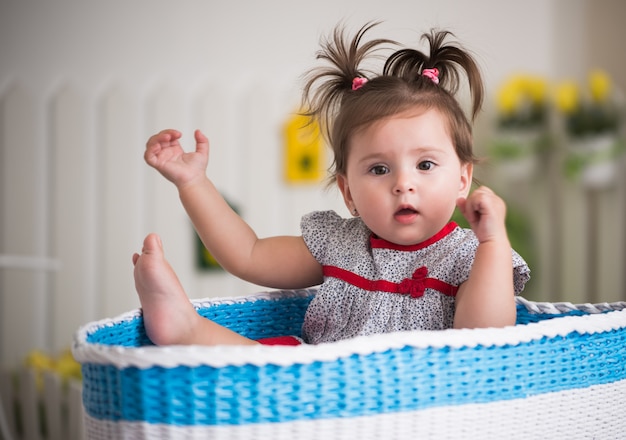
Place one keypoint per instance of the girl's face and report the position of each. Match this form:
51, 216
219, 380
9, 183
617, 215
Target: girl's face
403, 176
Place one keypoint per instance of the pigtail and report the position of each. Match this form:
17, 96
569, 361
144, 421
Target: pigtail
344, 75
446, 59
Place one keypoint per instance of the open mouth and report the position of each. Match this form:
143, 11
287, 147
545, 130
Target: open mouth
405, 215
406, 211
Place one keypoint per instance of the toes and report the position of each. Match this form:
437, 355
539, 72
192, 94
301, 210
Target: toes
152, 244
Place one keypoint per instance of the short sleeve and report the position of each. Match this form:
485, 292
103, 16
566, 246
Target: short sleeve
316, 227
521, 273
461, 259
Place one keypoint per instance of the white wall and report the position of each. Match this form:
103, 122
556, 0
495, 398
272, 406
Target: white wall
83, 85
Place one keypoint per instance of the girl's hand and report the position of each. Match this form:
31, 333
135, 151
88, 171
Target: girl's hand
485, 212
165, 154
487, 298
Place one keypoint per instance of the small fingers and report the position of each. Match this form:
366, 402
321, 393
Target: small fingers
479, 202
160, 142
484, 190
167, 135
479, 197
202, 142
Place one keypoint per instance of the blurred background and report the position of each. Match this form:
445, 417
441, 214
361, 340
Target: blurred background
84, 84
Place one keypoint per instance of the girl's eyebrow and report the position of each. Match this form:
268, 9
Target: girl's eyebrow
380, 155
372, 157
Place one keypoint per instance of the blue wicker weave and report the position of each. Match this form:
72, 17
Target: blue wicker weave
559, 373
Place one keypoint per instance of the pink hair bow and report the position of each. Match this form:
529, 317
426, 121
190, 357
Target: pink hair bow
358, 82
433, 74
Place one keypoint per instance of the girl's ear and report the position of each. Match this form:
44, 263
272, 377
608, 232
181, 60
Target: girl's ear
467, 171
342, 183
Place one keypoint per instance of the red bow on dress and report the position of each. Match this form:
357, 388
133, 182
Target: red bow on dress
414, 286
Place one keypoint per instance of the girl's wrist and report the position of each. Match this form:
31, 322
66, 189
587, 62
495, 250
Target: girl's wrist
196, 182
495, 235
496, 242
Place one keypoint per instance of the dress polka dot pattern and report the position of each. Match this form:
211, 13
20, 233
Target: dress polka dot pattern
342, 310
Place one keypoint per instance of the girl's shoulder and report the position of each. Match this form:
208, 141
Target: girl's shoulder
330, 220
464, 236
324, 232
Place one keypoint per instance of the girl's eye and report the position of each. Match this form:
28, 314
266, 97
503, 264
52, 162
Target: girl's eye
425, 165
379, 170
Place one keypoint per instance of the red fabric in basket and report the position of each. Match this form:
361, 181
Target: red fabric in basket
280, 340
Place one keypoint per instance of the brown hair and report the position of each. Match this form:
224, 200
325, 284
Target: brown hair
400, 87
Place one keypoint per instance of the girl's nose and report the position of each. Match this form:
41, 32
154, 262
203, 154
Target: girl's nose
404, 183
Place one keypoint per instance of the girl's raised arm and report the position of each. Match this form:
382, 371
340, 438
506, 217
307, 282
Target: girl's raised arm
276, 262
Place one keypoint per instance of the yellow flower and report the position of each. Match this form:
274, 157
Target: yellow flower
536, 88
67, 367
520, 91
567, 96
39, 360
509, 99
599, 85
64, 365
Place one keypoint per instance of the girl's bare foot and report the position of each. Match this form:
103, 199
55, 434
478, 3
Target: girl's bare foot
169, 316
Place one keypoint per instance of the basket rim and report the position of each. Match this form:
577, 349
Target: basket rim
597, 320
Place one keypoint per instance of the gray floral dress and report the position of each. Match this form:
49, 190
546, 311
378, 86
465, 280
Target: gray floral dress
374, 286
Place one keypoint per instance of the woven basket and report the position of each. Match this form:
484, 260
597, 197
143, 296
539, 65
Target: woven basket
559, 373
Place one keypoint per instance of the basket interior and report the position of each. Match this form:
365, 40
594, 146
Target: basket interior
256, 319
